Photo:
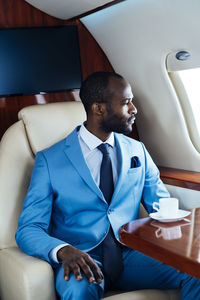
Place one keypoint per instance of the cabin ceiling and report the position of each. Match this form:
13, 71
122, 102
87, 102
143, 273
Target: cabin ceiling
66, 9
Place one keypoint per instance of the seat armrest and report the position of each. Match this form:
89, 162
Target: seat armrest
23, 277
147, 295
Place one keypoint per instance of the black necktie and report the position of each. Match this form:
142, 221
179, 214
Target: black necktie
112, 256
106, 176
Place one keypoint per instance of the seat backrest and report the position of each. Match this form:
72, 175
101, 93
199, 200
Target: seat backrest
39, 127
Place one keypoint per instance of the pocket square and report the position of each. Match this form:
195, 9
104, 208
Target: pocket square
135, 162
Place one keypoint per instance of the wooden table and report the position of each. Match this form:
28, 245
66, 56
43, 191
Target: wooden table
176, 244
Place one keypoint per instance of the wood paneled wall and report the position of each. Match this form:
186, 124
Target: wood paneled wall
18, 13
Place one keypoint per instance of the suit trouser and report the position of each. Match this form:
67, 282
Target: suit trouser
140, 272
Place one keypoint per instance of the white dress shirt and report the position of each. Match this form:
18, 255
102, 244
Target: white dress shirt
93, 157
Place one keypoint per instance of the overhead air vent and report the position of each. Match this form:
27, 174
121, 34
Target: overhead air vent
66, 9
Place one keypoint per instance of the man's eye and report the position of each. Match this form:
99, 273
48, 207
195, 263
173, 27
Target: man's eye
125, 102
128, 101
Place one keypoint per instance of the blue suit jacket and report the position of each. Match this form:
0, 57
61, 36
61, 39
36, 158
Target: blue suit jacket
64, 204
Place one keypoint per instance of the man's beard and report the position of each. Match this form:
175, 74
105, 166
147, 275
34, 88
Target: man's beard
116, 124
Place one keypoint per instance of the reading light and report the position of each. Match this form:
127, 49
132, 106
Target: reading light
182, 55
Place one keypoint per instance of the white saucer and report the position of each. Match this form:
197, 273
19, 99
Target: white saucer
181, 214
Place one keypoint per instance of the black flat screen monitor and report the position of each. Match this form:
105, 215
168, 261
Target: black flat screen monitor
39, 60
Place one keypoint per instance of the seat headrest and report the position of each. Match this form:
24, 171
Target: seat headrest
46, 124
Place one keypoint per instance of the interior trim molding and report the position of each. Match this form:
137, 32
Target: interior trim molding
96, 9
181, 178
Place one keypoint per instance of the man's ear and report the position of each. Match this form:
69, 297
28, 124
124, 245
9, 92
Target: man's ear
98, 108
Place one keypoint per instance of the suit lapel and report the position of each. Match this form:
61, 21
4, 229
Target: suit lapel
74, 154
124, 158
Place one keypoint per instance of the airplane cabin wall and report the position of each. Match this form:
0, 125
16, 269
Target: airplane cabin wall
137, 36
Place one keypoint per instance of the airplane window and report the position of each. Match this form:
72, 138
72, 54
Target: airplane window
191, 82
187, 86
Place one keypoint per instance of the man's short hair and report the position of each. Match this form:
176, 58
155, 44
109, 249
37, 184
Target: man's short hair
95, 88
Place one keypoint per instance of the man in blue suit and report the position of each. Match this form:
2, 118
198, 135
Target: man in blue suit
80, 195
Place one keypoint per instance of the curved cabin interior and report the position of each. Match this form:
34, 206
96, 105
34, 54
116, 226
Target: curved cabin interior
154, 45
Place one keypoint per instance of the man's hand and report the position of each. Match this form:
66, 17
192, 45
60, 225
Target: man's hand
75, 260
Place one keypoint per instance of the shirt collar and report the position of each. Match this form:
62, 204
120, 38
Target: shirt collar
91, 140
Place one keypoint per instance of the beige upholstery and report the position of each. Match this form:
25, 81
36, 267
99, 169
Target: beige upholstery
23, 277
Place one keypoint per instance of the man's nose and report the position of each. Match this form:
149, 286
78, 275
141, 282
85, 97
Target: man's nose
132, 109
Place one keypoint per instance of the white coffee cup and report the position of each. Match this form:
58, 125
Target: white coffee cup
171, 233
167, 207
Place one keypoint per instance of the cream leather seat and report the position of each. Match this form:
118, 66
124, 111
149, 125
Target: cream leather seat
23, 277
